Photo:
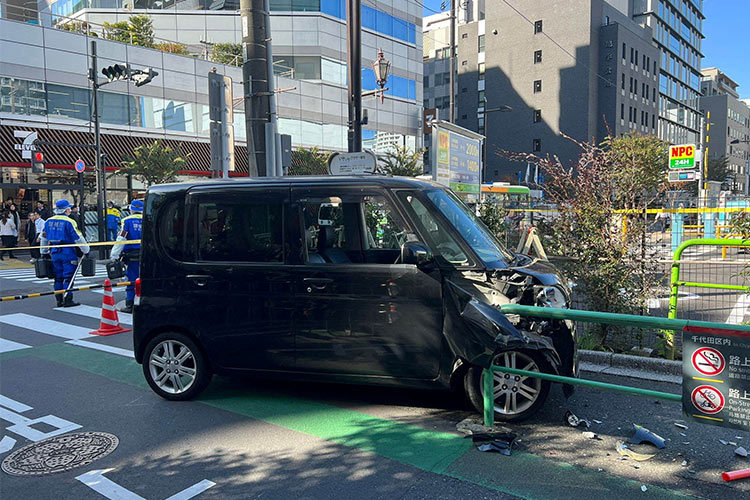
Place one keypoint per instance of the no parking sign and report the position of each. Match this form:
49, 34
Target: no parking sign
716, 377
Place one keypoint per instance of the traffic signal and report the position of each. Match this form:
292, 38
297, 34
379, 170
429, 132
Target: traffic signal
142, 77
117, 72
37, 162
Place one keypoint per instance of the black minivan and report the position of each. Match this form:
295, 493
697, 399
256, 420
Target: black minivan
363, 279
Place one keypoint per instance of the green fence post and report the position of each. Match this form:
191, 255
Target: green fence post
489, 400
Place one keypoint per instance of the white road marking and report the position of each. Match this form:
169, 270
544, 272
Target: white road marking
96, 313
46, 326
9, 345
23, 426
13, 404
107, 488
6, 444
102, 347
737, 315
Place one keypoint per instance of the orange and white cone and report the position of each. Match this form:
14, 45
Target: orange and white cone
110, 325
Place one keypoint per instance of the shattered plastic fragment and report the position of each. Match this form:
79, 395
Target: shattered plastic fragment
501, 442
627, 452
590, 435
684, 463
642, 434
683, 434
723, 442
732, 443
741, 452
597, 421
681, 426
573, 421
643, 488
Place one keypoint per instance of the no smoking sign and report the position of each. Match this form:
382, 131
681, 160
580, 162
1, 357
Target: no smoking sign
708, 361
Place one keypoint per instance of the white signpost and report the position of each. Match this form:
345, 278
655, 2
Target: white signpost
352, 163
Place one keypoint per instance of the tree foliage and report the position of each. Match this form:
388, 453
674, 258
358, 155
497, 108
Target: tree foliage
227, 53
308, 161
154, 164
173, 48
609, 267
401, 161
137, 30
81, 27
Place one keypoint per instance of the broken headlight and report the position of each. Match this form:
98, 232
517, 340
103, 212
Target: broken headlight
552, 296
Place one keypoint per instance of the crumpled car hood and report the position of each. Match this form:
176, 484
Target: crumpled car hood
476, 331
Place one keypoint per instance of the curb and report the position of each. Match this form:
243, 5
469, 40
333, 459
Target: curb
626, 365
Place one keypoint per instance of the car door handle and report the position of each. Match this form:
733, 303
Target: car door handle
317, 283
199, 279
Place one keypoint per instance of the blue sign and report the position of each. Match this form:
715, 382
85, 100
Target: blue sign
464, 164
80, 166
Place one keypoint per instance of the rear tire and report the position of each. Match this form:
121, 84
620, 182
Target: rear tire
175, 367
516, 398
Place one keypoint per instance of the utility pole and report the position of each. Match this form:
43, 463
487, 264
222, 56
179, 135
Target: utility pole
354, 73
452, 81
101, 178
255, 82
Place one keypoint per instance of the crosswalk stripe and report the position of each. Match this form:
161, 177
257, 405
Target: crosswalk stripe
96, 313
102, 347
9, 345
46, 326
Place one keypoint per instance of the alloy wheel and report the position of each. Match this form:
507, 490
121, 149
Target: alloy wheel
172, 367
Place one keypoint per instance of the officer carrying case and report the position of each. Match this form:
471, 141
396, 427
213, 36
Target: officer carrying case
115, 269
88, 266
43, 268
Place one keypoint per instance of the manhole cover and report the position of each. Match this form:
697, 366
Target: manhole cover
60, 453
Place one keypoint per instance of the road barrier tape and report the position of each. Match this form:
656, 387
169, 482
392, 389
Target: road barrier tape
60, 292
71, 245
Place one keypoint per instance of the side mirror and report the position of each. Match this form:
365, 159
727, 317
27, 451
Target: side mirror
415, 253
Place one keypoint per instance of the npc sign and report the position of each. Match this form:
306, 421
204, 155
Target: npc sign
716, 376
682, 156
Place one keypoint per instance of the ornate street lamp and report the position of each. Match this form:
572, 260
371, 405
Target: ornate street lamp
381, 66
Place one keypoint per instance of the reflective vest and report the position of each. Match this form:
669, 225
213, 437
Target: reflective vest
62, 230
131, 230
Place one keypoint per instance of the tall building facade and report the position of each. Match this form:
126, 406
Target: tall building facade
309, 45
582, 68
728, 121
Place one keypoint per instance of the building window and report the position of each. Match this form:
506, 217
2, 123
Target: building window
645, 65
536, 145
426, 80
643, 90
481, 43
537, 56
631, 84
537, 86
427, 104
624, 56
465, 35
636, 58
463, 117
481, 71
622, 81
537, 115
481, 98
632, 54
622, 111
464, 63
537, 27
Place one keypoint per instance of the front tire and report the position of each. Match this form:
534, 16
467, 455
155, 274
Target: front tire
175, 367
516, 397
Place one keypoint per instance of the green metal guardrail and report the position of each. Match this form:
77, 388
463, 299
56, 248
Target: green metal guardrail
675, 282
592, 317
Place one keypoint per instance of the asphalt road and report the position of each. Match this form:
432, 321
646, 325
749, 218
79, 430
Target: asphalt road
250, 439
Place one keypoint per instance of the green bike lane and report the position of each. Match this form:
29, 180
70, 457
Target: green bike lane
345, 453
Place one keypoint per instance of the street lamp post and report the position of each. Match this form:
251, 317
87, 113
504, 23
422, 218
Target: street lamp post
502, 109
381, 66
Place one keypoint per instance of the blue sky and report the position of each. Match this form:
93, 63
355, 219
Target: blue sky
727, 42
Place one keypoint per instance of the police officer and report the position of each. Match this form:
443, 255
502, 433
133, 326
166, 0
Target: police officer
131, 230
62, 230
113, 221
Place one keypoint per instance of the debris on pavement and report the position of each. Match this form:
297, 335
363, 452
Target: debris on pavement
573, 421
591, 435
501, 442
741, 452
681, 426
684, 463
643, 488
723, 442
626, 452
734, 475
597, 421
642, 434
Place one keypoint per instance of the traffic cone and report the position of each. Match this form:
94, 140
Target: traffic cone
110, 325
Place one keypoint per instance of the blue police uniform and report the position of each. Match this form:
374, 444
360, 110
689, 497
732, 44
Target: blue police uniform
131, 230
113, 223
62, 230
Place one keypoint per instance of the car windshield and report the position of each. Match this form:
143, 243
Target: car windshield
471, 228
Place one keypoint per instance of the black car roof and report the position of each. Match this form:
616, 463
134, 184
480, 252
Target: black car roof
299, 180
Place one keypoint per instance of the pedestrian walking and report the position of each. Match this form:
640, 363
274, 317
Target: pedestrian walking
113, 221
34, 230
131, 230
76, 216
42, 209
60, 229
8, 230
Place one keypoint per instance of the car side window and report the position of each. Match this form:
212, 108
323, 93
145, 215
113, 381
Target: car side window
240, 231
384, 227
172, 229
325, 232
